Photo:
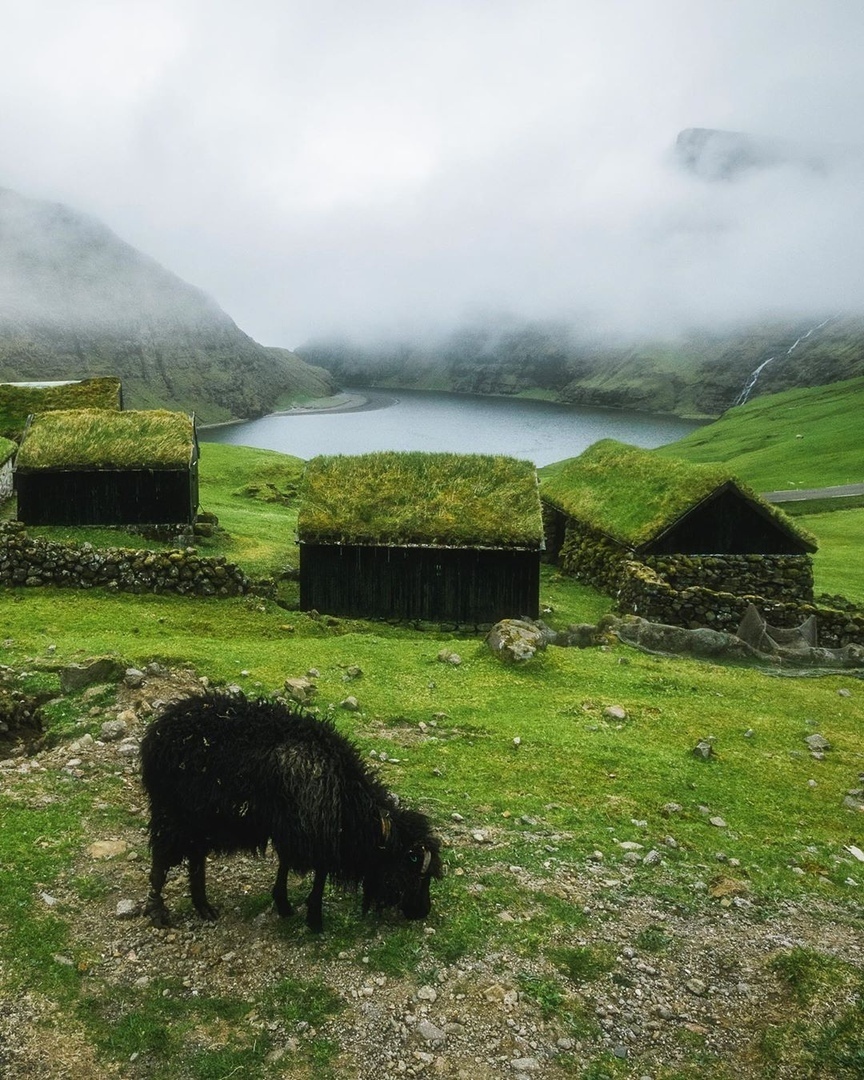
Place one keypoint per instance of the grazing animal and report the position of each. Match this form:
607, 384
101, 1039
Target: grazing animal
224, 774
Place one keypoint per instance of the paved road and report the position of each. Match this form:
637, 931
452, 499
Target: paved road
800, 494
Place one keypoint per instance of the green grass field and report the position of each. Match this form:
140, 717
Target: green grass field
758, 886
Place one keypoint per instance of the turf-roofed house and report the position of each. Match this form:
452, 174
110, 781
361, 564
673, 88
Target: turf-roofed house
103, 467
449, 537
671, 540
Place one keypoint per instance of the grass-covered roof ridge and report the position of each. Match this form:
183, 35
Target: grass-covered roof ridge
437, 499
106, 439
20, 400
633, 494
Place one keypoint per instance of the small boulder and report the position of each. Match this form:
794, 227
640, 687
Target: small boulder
515, 641
301, 689
100, 669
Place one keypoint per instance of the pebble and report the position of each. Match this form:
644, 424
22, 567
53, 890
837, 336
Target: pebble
350, 704
430, 1033
112, 730
525, 1064
127, 909
717, 822
697, 987
427, 993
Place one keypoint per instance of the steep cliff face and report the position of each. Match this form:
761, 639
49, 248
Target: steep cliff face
700, 374
75, 301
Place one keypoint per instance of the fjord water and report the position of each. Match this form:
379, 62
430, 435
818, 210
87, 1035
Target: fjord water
537, 431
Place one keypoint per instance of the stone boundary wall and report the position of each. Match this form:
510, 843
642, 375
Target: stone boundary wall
6, 480
776, 577
34, 562
644, 592
592, 557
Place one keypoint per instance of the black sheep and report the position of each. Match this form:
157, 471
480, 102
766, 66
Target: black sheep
226, 774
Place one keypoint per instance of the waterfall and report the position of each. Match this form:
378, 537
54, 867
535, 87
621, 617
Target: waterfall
753, 378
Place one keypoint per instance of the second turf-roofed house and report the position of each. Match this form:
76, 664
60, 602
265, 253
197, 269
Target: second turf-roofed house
103, 467
671, 540
449, 537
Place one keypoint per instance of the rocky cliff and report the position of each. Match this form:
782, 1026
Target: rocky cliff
77, 301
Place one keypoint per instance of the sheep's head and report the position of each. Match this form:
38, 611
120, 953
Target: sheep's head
408, 862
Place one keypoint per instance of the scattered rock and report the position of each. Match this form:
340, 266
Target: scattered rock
430, 1033
107, 849
133, 678
350, 704
703, 750
515, 641
301, 689
717, 822
112, 730
817, 743
128, 909
101, 669
615, 712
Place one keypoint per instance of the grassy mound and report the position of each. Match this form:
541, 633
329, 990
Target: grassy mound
100, 438
416, 498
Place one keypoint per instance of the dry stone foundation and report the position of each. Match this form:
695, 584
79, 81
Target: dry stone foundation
32, 562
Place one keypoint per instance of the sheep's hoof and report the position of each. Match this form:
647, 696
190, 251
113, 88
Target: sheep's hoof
207, 912
283, 908
158, 914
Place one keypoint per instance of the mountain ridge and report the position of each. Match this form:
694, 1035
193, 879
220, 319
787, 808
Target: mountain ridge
76, 301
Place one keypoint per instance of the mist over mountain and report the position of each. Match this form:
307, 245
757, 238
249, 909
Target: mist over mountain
698, 374
77, 301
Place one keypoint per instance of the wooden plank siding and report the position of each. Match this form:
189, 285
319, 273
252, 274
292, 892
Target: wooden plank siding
462, 585
108, 496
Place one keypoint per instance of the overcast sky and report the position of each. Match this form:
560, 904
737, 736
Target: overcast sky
363, 165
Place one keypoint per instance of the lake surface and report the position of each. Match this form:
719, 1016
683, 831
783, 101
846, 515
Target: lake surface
538, 431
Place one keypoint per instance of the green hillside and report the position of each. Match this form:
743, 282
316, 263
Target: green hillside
77, 301
800, 438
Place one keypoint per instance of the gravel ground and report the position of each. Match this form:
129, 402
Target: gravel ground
710, 987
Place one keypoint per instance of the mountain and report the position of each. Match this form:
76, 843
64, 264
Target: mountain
77, 301
714, 154
699, 374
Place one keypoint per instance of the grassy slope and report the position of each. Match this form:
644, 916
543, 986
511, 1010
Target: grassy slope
585, 780
797, 439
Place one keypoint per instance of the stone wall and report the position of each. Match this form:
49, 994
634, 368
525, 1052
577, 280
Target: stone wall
592, 557
34, 562
776, 577
646, 593
6, 480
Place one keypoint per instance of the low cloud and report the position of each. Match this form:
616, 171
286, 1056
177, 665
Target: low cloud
377, 167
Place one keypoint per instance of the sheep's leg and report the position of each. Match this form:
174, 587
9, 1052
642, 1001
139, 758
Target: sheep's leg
155, 906
280, 888
198, 890
314, 918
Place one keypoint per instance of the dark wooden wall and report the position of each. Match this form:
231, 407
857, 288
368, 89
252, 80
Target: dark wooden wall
466, 586
108, 497
726, 524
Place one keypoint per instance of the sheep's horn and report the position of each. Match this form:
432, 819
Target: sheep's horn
427, 861
385, 827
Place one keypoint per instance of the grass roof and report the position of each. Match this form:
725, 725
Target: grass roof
464, 500
105, 439
7, 449
19, 400
633, 494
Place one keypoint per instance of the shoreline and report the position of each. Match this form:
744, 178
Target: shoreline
342, 402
